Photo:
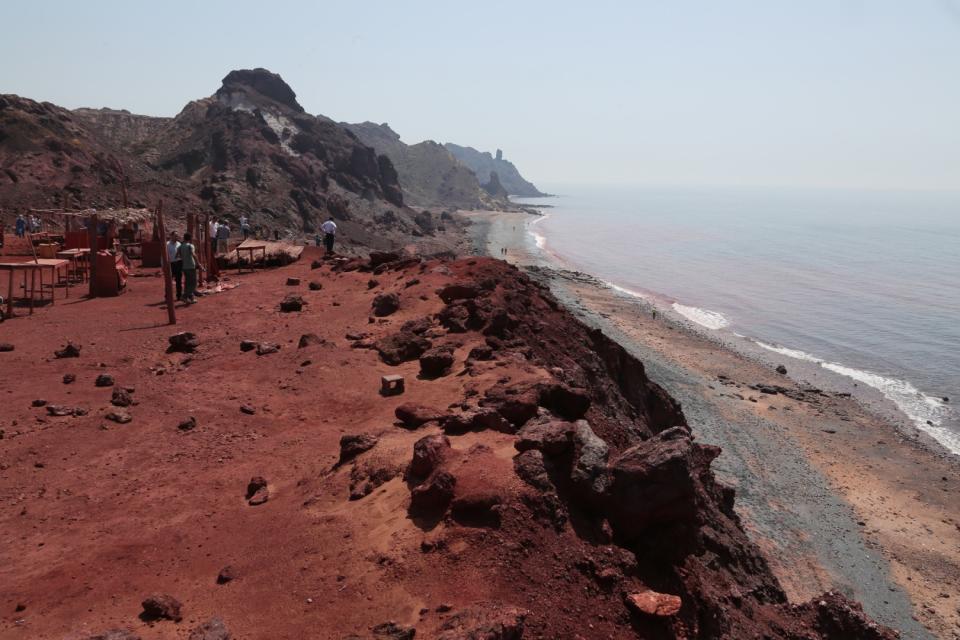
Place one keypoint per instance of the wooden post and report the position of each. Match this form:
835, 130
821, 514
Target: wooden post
165, 261
92, 224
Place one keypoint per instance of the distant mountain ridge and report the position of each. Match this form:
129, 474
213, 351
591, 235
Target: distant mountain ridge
483, 164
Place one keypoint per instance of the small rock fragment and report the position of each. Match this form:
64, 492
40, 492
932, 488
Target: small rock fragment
393, 631
214, 629
385, 303
293, 282
267, 347
656, 604
6, 347
248, 345
38, 403
436, 362
352, 445
120, 417
188, 425
315, 286
782, 370
257, 491
121, 397
69, 378
69, 351
428, 453
227, 574
161, 607
104, 380
247, 409
291, 303
308, 339
183, 342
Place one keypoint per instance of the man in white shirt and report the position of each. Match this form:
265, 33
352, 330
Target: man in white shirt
176, 264
213, 235
245, 226
329, 229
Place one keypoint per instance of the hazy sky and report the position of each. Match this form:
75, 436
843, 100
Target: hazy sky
763, 92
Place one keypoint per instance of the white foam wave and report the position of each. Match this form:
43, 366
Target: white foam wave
703, 317
927, 412
625, 291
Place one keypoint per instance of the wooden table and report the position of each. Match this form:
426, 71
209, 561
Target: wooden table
262, 248
78, 261
35, 269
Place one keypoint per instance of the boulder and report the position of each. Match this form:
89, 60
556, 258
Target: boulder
651, 603
265, 348
378, 258
183, 342
590, 459
485, 621
161, 607
257, 491
104, 380
120, 417
314, 286
352, 445
434, 495
309, 339
121, 397
483, 352
531, 467
385, 303
436, 362
782, 370
248, 345
69, 351
291, 303
213, 629
566, 402
402, 347
553, 437
428, 453
293, 282
188, 425
414, 415
458, 291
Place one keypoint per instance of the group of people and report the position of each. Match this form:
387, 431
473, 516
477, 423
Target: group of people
220, 233
22, 225
183, 266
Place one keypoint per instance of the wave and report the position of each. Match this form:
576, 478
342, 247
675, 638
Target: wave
703, 317
625, 291
539, 239
927, 412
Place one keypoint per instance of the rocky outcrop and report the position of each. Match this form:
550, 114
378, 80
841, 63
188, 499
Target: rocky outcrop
483, 164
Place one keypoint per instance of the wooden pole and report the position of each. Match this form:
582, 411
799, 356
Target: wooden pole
165, 261
92, 224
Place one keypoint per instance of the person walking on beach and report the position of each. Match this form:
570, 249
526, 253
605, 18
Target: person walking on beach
223, 234
329, 229
187, 254
176, 264
21, 226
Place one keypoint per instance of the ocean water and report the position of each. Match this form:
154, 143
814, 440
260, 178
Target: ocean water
865, 284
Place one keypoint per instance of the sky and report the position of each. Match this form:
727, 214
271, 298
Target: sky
818, 93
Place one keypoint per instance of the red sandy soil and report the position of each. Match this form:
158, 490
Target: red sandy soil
96, 515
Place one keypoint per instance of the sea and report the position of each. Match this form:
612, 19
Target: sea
863, 284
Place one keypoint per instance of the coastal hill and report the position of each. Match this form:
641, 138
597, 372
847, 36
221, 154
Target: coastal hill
483, 164
429, 174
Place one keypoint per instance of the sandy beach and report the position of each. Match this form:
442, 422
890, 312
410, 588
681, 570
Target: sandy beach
841, 496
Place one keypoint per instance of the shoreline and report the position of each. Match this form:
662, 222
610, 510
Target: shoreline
839, 495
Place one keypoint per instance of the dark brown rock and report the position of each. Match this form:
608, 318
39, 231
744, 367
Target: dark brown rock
402, 347
183, 342
6, 347
121, 397
120, 417
428, 453
69, 351
247, 409
352, 445
485, 621
161, 607
293, 282
248, 345
436, 362
227, 574
265, 348
414, 415
314, 286
782, 370
566, 402
39, 402
393, 631
378, 258
257, 491
458, 291
187, 425
434, 495
551, 437
104, 380
213, 629
69, 378
291, 303
385, 303
483, 352
309, 339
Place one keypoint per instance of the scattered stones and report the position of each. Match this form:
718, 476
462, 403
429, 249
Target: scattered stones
651, 603
314, 286
104, 380
393, 631
291, 303
120, 417
121, 397
39, 402
308, 339
183, 342
352, 445
247, 409
69, 351
227, 574
293, 282
188, 425
414, 415
436, 362
69, 378
428, 453
265, 348
434, 495
257, 491
214, 629
161, 607
385, 303
782, 370
248, 345
6, 347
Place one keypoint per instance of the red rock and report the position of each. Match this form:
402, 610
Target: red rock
291, 303
652, 603
458, 291
214, 629
352, 445
121, 397
69, 351
162, 607
414, 415
385, 303
183, 342
428, 453
436, 362
433, 496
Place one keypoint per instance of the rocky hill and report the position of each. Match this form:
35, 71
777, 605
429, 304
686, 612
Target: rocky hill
429, 174
483, 164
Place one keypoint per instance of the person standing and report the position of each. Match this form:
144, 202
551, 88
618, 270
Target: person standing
188, 259
176, 264
223, 234
245, 226
213, 236
329, 229
21, 227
